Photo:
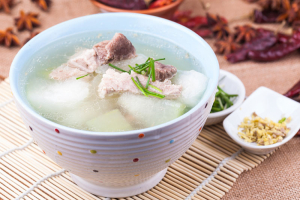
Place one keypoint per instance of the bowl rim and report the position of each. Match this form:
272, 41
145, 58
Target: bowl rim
32, 112
147, 11
248, 145
240, 98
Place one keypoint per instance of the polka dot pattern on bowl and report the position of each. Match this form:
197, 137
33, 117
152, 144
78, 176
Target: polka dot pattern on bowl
141, 135
59, 153
56, 130
93, 151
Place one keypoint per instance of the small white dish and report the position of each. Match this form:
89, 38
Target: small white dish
232, 85
265, 103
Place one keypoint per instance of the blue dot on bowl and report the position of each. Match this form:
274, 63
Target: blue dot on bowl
172, 141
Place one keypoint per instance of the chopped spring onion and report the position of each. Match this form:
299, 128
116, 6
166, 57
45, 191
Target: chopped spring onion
131, 69
153, 93
149, 76
144, 90
138, 86
222, 100
82, 76
282, 120
151, 65
156, 88
113, 66
220, 103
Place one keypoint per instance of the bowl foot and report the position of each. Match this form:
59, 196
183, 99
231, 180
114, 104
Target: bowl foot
117, 192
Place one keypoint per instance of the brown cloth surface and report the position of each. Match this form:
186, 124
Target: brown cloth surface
276, 178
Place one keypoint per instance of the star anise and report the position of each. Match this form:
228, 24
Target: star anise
220, 29
43, 4
27, 21
8, 38
213, 19
32, 35
270, 4
291, 11
226, 46
244, 33
6, 4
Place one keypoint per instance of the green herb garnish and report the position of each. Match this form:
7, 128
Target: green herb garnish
149, 76
282, 120
113, 66
145, 91
222, 101
156, 88
81, 76
154, 94
147, 68
139, 86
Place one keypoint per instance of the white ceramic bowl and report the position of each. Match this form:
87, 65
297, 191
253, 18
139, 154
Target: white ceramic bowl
232, 85
126, 163
265, 103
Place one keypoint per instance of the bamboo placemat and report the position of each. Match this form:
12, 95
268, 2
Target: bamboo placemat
206, 171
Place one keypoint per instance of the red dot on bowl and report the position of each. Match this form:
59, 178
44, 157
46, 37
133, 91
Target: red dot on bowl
141, 135
44, 152
135, 160
56, 130
200, 128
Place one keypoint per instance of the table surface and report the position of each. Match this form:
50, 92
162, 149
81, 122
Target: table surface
277, 177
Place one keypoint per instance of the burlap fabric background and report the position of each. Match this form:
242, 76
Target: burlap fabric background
279, 176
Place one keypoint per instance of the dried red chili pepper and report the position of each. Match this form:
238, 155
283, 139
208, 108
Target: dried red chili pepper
196, 22
184, 18
264, 40
294, 91
282, 38
265, 16
274, 53
181, 16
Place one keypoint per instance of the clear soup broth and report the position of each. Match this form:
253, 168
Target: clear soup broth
76, 103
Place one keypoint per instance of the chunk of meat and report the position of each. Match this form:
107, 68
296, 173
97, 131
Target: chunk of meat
119, 48
64, 72
114, 82
85, 61
163, 71
101, 52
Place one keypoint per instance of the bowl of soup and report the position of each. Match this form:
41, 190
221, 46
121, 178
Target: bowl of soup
115, 98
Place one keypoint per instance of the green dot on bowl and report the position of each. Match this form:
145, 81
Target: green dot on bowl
93, 151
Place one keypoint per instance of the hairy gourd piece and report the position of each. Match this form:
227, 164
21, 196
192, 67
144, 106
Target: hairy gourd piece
149, 110
193, 86
110, 121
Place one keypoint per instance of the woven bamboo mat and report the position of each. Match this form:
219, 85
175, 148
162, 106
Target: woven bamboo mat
206, 171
